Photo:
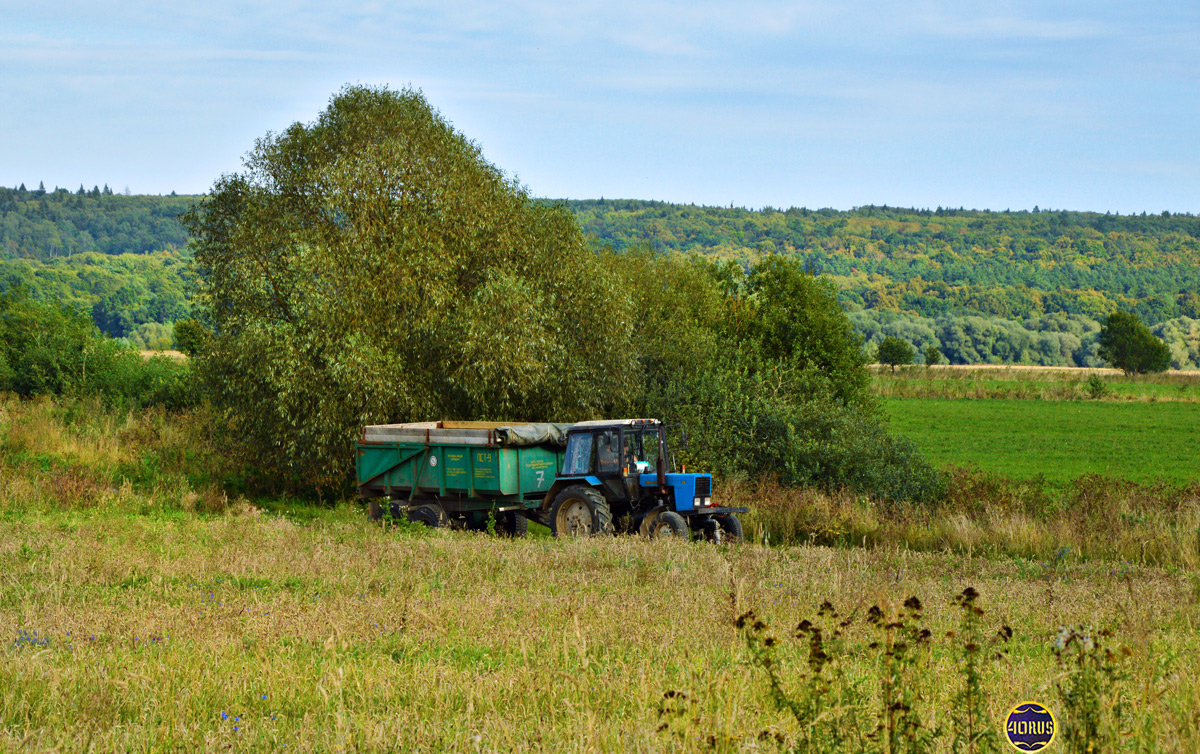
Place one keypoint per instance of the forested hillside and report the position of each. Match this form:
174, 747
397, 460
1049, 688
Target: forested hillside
984, 287
1006, 264
40, 224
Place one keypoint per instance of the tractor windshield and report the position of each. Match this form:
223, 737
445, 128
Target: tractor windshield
641, 451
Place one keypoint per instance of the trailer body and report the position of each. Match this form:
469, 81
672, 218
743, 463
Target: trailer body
463, 466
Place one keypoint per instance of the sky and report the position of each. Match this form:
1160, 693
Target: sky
989, 105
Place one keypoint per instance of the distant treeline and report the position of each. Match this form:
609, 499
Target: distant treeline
1048, 340
985, 287
41, 224
1013, 265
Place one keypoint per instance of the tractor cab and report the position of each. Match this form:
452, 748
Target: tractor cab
617, 455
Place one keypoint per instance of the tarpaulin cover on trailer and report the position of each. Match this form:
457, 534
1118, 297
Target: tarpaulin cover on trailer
523, 435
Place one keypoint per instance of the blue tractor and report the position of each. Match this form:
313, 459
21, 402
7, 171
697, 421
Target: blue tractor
615, 477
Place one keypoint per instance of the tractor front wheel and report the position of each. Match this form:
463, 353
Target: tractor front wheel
580, 512
669, 524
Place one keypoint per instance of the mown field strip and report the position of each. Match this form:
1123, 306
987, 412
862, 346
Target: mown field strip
1060, 440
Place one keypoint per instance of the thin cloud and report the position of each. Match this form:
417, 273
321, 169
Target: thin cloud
1014, 28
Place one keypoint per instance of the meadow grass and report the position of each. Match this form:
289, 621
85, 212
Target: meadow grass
1058, 440
1091, 520
253, 631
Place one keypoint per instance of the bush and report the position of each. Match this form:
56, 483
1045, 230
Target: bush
894, 352
153, 336
1128, 345
48, 349
1097, 388
191, 336
744, 425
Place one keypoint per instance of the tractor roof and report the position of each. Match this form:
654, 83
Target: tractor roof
615, 423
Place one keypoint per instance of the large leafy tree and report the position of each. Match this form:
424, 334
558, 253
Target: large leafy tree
371, 266
1128, 345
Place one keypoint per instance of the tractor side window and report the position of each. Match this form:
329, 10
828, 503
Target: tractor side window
606, 452
579, 455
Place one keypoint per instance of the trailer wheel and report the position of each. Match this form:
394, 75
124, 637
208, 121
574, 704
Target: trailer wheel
731, 528
374, 509
580, 512
431, 515
512, 525
669, 524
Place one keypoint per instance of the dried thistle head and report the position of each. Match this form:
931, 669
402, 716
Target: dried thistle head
967, 597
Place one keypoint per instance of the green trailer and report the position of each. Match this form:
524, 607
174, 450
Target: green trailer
447, 472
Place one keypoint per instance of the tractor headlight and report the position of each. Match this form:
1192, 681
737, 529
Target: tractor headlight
708, 501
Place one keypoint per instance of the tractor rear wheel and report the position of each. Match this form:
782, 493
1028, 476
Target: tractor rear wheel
430, 514
580, 512
731, 528
669, 524
512, 525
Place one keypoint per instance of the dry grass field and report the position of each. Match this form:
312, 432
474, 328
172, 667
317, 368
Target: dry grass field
1027, 382
145, 609
252, 632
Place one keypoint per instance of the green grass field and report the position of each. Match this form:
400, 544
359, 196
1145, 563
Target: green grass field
1060, 440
